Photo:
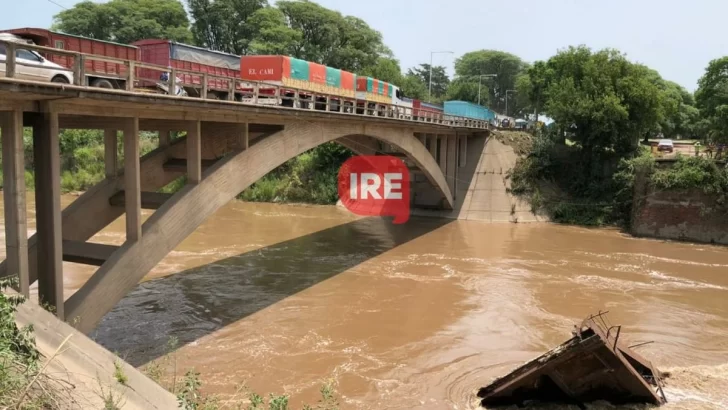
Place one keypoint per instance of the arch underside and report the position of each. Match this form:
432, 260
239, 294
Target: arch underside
183, 212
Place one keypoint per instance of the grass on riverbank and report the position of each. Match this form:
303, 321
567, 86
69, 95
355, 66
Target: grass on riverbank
24, 384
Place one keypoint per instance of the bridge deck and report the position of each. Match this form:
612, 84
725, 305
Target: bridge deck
72, 100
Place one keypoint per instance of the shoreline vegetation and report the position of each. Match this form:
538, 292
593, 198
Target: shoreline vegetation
26, 383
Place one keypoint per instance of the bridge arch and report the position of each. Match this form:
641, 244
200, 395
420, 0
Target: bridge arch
179, 216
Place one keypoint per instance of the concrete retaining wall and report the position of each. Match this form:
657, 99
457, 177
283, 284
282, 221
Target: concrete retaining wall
689, 215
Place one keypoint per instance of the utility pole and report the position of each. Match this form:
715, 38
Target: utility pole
508, 91
429, 92
480, 80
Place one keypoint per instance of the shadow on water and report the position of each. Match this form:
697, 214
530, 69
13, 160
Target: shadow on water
196, 302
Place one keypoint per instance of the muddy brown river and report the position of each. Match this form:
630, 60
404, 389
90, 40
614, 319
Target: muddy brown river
416, 316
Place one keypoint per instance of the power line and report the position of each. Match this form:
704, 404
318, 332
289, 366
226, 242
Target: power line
58, 4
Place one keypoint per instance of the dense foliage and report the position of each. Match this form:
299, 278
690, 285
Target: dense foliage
126, 21
496, 92
605, 105
311, 177
712, 100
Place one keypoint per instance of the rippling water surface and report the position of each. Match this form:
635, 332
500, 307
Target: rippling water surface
284, 298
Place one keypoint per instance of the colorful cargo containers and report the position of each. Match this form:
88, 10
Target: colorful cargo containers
299, 74
468, 110
371, 89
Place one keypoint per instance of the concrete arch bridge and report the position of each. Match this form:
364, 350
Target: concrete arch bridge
228, 146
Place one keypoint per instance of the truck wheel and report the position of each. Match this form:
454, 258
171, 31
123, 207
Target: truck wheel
59, 79
102, 83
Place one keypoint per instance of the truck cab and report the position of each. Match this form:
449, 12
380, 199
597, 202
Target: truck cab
400, 101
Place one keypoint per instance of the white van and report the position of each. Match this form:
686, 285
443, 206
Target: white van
30, 65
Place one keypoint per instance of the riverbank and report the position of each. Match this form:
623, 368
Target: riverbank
675, 199
285, 298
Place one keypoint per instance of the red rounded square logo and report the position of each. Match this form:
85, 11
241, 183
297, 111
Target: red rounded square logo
376, 186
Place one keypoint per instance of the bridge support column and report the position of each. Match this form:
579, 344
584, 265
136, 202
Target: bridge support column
46, 152
16, 222
422, 138
432, 139
451, 167
463, 150
110, 153
132, 184
442, 153
244, 136
164, 137
194, 153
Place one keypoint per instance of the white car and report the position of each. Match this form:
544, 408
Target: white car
665, 145
30, 65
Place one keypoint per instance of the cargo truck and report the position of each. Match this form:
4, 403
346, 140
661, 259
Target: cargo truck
97, 73
468, 110
315, 83
171, 54
305, 80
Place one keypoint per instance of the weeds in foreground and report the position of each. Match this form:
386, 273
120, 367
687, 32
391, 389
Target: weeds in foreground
25, 382
119, 374
111, 400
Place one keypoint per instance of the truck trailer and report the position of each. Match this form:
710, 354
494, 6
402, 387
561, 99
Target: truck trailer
171, 54
468, 110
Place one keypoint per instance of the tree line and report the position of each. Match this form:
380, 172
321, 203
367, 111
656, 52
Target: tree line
497, 79
301, 29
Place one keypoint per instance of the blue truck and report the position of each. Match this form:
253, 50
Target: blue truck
468, 110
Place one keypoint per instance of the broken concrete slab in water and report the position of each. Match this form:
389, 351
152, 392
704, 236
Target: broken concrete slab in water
595, 364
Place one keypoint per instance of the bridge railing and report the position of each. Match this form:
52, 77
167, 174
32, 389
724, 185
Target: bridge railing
140, 76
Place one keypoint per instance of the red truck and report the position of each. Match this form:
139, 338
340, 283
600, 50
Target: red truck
98, 73
167, 53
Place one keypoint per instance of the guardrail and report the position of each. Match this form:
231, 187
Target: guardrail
243, 91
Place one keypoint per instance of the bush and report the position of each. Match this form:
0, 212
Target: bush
561, 182
309, 178
19, 359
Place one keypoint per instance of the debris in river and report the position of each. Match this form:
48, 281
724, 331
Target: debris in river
595, 364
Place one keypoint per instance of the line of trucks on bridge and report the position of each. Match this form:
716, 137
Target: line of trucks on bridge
344, 89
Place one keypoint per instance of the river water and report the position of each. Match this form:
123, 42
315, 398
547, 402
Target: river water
284, 298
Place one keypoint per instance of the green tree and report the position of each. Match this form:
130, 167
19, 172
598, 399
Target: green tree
327, 37
467, 90
273, 34
712, 99
681, 115
386, 69
225, 25
506, 66
440, 80
608, 102
126, 21
413, 87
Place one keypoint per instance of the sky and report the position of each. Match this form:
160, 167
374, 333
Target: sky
678, 38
